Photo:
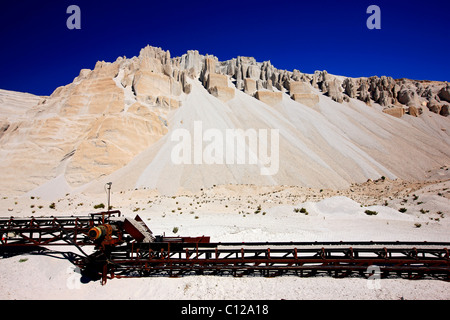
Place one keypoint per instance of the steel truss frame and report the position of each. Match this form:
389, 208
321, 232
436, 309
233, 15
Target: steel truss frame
45, 231
412, 260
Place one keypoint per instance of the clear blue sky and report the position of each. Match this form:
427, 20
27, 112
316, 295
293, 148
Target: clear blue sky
39, 53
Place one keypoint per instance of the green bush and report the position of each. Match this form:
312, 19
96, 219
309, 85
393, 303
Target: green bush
371, 213
99, 206
302, 210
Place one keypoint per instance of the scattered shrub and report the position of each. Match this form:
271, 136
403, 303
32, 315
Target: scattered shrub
302, 210
402, 210
371, 213
99, 206
52, 205
175, 230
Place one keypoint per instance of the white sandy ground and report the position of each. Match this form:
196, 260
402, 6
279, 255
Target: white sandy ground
227, 213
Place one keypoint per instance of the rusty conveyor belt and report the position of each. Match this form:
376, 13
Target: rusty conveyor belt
127, 248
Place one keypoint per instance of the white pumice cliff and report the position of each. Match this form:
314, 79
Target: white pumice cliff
114, 123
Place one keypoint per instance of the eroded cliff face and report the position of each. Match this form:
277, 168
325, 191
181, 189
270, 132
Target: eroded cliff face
97, 124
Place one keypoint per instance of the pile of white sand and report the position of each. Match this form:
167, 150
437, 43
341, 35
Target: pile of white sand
329, 146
